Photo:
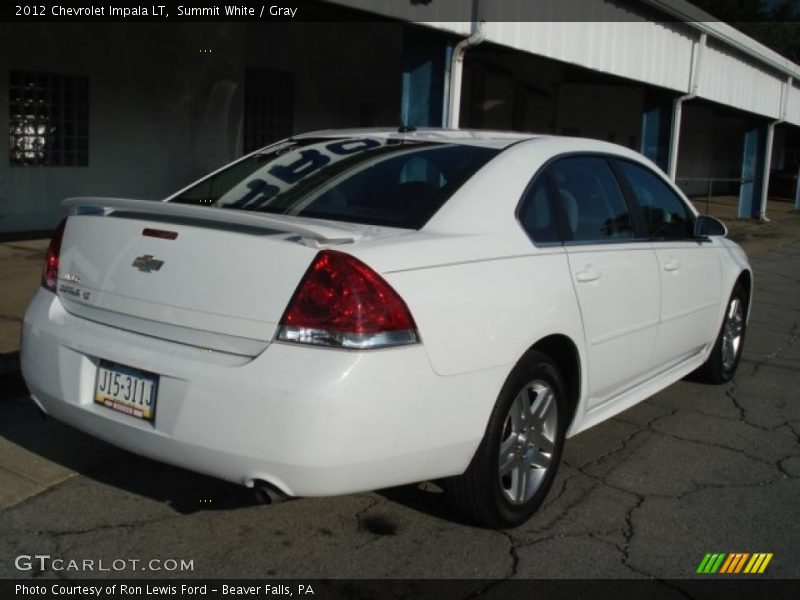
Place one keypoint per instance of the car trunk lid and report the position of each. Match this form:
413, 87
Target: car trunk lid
213, 278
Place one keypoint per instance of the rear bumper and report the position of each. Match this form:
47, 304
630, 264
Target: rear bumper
310, 421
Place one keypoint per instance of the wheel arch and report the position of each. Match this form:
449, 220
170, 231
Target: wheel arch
563, 351
746, 280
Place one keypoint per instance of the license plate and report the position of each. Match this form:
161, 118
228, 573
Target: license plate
126, 390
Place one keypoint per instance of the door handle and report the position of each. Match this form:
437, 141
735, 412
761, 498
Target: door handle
672, 265
587, 275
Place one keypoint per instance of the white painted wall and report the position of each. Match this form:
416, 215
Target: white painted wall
654, 53
793, 103
658, 54
162, 113
735, 80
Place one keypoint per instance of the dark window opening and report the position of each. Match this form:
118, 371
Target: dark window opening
591, 199
537, 215
268, 107
48, 120
664, 213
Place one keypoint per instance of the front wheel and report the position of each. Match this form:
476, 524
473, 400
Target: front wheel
517, 460
727, 352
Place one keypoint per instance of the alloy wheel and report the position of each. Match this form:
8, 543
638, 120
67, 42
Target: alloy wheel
732, 333
528, 441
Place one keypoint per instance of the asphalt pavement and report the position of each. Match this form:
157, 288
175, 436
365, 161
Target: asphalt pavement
695, 469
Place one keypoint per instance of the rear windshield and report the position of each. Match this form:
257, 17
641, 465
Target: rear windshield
359, 180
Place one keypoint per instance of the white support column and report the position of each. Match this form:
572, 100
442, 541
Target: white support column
785, 89
762, 210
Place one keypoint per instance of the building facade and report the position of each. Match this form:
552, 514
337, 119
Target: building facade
141, 109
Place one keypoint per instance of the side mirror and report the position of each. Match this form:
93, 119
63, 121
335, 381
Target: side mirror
707, 226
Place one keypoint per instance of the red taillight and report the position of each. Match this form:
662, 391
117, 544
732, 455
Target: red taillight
50, 270
342, 302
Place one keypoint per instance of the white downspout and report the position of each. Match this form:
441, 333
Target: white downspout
456, 72
677, 112
762, 209
675, 134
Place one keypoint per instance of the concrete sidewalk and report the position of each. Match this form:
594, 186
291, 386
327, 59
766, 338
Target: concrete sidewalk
20, 275
30, 467
26, 468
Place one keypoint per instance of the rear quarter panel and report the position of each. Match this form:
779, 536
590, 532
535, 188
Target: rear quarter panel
483, 314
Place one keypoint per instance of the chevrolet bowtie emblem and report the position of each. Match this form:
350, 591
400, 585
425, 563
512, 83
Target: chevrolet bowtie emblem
147, 263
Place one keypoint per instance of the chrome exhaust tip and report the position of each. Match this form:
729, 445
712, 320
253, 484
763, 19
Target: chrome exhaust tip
266, 493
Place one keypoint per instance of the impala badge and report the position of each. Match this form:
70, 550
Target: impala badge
147, 263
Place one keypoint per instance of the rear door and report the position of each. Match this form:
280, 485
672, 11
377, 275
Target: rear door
614, 273
690, 270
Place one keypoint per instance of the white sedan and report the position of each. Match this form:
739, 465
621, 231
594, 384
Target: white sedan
350, 310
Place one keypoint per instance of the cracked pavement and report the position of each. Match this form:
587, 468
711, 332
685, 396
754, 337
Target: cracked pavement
694, 469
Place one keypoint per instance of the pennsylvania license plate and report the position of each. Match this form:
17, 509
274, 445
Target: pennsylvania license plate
126, 390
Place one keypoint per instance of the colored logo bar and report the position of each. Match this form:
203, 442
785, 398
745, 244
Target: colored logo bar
734, 563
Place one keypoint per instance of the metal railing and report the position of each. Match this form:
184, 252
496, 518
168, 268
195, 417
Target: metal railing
710, 185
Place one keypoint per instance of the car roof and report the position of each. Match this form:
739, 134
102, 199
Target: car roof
498, 140
472, 137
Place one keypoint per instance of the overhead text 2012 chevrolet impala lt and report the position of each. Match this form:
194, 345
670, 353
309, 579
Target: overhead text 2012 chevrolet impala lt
351, 310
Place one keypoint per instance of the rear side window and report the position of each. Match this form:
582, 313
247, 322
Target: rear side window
591, 199
536, 213
664, 213
359, 180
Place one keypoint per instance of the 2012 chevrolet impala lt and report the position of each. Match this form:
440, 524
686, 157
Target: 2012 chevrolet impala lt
350, 310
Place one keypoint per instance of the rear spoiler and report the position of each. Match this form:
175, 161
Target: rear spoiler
322, 234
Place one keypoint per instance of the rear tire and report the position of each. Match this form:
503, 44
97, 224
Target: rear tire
723, 361
517, 460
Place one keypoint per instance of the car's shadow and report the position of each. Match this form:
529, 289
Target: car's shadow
184, 491
11, 383
427, 498
36, 438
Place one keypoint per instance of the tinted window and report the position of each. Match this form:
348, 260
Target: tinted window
664, 213
359, 180
537, 215
591, 199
